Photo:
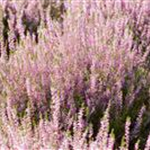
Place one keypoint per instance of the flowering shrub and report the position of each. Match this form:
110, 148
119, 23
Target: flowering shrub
77, 81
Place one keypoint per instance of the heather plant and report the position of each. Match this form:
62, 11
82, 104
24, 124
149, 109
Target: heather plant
77, 71
31, 22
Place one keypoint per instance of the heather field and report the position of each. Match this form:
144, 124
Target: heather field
74, 75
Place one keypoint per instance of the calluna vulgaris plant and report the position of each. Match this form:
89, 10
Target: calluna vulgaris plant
75, 74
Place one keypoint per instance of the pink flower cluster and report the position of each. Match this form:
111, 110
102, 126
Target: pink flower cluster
80, 81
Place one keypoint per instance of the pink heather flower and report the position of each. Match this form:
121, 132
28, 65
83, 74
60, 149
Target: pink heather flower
127, 133
28, 87
102, 137
147, 146
139, 120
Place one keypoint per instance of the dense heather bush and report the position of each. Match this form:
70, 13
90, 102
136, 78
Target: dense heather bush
76, 74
